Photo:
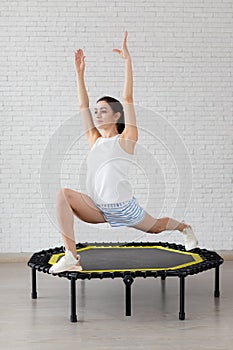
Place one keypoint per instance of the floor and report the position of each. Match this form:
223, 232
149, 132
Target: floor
44, 323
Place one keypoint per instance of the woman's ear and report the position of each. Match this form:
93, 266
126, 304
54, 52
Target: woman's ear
117, 116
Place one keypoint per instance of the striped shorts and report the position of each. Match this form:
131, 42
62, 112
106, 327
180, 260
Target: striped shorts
127, 213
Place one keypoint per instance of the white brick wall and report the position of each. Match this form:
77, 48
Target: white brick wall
182, 62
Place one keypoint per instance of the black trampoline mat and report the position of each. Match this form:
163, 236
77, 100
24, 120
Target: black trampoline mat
136, 258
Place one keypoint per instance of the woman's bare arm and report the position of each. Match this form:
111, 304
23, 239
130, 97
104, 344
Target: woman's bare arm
87, 119
130, 117
83, 99
128, 84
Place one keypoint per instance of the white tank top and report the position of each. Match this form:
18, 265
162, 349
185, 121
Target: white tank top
107, 171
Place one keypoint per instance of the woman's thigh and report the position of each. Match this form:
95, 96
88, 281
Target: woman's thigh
83, 206
148, 224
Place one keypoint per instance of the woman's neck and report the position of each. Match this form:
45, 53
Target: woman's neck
108, 135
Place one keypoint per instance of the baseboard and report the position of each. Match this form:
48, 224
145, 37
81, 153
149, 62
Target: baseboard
227, 255
14, 257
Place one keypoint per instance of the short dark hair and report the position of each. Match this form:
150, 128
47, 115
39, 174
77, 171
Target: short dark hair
116, 106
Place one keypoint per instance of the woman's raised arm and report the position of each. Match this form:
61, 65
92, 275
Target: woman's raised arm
130, 117
128, 86
87, 120
80, 68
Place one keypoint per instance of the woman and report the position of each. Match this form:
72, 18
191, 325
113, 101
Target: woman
110, 197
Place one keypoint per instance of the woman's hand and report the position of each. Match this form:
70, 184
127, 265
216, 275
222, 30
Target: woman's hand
124, 53
79, 61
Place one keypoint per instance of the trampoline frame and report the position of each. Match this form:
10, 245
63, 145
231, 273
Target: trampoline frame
210, 260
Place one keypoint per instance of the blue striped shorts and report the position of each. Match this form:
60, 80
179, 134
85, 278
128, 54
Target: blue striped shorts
127, 213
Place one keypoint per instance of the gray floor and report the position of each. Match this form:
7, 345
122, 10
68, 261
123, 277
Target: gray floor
44, 323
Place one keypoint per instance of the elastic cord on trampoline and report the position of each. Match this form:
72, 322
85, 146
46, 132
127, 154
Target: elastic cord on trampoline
211, 259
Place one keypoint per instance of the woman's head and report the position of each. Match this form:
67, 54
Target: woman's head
110, 111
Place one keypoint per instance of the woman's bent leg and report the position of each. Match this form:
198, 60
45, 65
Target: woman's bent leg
68, 204
65, 218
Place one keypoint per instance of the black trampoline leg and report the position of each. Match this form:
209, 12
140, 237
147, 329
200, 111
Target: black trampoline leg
128, 280
216, 290
34, 292
73, 316
182, 297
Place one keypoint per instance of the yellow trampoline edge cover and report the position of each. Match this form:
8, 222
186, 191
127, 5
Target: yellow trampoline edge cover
196, 258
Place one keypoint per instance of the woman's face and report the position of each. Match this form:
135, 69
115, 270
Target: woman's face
104, 115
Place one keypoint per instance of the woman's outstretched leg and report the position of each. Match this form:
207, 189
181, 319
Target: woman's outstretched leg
152, 225
164, 224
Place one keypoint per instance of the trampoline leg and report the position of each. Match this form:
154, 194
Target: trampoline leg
216, 290
182, 296
128, 280
34, 292
73, 316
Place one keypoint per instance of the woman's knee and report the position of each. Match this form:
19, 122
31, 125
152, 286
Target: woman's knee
156, 228
62, 195
159, 226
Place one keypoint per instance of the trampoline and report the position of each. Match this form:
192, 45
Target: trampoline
128, 261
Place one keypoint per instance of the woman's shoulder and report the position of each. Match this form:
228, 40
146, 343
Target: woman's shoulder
96, 142
126, 143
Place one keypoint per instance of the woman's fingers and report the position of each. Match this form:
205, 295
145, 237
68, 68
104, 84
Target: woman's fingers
116, 50
79, 52
125, 37
79, 60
